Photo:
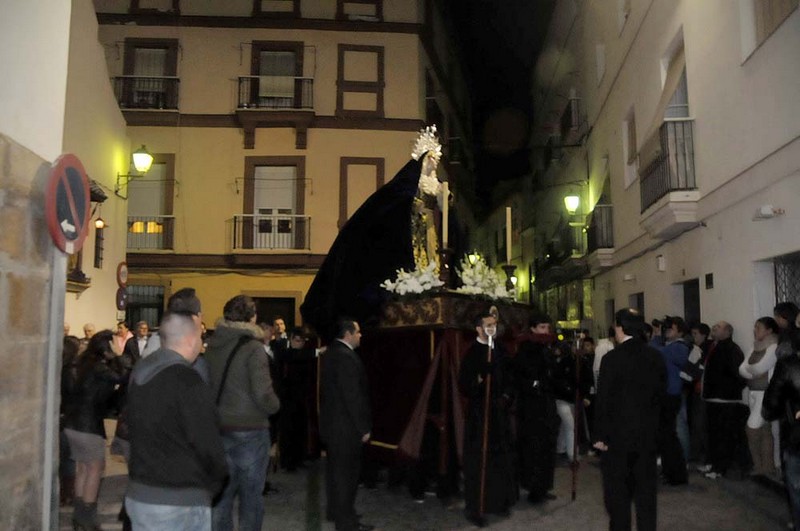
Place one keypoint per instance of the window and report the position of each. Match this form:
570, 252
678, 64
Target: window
276, 8
155, 6
273, 205
360, 81
277, 76
674, 100
600, 61
623, 12
150, 71
367, 10
787, 277
678, 106
98, 247
150, 202
769, 14
629, 146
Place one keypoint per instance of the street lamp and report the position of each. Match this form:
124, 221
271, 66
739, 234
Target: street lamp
572, 202
142, 161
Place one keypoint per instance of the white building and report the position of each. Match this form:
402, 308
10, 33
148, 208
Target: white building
681, 119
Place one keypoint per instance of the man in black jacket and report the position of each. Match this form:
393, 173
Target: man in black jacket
782, 402
633, 381
345, 423
722, 392
177, 461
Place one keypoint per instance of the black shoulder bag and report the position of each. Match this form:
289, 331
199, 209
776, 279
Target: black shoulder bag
239, 344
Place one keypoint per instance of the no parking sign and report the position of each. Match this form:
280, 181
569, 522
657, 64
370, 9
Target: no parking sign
66, 203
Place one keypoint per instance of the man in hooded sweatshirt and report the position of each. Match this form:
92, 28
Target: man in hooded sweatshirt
177, 462
245, 399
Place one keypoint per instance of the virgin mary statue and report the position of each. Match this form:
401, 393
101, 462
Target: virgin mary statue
394, 228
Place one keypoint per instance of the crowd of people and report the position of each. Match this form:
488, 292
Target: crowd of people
684, 395
197, 415
202, 418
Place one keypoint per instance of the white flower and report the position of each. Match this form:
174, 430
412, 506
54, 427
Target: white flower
419, 280
480, 279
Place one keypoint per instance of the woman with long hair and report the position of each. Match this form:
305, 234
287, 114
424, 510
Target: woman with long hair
757, 370
86, 392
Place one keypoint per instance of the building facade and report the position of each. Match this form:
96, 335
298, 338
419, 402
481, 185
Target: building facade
675, 125
270, 123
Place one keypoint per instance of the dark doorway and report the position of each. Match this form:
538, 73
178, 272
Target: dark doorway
636, 301
691, 300
270, 307
145, 303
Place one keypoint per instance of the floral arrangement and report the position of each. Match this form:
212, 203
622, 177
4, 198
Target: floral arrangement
480, 279
428, 144
420, 280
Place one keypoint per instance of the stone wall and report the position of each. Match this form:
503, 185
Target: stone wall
26, 252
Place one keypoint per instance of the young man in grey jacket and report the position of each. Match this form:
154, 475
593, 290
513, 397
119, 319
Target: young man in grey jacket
241, 383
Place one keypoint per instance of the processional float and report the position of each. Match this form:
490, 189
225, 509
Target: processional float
388, 270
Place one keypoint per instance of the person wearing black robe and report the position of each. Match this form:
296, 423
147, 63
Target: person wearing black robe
500, 491
297, 366
537, 420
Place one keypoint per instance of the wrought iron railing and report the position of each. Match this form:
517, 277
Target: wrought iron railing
276, 92
673, 168
151, 232
601, 228
147, 92
278, 231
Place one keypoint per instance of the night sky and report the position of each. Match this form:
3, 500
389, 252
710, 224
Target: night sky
500, 41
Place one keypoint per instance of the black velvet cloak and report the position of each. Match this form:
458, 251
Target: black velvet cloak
372, 245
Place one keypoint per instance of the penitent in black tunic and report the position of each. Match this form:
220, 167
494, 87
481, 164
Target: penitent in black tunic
537, 420
501, 489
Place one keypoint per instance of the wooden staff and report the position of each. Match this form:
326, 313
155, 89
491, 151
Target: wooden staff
485, 443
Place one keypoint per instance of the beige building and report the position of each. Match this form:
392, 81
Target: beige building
270, 123
676, 125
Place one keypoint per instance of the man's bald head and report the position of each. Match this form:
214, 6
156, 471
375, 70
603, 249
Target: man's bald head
721, 331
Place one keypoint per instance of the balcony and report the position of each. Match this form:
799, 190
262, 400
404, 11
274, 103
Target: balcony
276, 92
271, 232
147, 92
265, 101
147, 233
601, 239
668, 187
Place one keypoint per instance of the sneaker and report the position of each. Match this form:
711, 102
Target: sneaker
712, 475
704, 468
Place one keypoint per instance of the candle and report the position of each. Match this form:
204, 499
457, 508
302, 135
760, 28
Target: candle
508, 235
445, 213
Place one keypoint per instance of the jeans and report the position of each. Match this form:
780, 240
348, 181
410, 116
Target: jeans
791, 475
151, 517
566, 431
247, 454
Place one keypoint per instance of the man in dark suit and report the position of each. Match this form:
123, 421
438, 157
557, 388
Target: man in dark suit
633, 381
345, 423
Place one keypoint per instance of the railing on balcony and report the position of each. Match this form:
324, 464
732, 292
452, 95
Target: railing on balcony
277, 231
276, 92
147, 92
151, 232
601, 228
673, 169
